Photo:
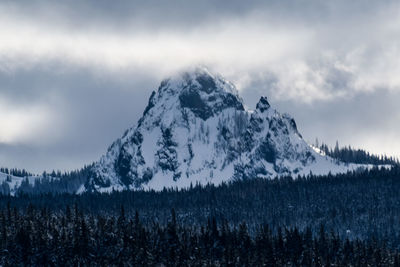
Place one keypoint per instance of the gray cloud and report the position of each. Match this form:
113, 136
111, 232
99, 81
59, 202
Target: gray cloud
75, 74
88, 111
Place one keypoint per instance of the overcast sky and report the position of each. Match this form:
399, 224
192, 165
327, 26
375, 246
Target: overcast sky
75, 74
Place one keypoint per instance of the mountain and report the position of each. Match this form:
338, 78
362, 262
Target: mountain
195, 129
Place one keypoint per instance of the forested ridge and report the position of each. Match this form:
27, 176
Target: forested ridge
348, 154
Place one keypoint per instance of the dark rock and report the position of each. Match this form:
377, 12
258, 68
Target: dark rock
225, 133
147, 175
123, 166
191, 99
150, 104
263, 104
137, 138
231, 101
267, 151
207, 83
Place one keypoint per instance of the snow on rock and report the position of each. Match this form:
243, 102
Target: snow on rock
195, 130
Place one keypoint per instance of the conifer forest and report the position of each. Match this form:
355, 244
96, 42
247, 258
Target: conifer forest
349, 219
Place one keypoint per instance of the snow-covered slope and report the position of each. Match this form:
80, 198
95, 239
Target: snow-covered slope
9, 184
195, 129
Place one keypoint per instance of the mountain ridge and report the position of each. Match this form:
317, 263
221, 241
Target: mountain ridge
195, 129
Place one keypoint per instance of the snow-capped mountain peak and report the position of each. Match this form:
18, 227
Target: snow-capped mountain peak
199, 91
195, 129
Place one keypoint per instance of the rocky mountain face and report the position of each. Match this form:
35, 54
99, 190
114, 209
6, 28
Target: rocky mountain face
195, 129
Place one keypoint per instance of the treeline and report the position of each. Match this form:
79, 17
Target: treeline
53, 182
74, 238
361, 205
350, 155
15, 172
57, 182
